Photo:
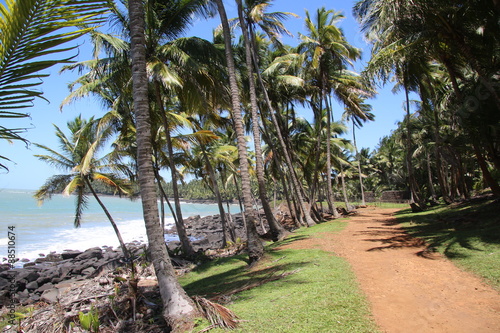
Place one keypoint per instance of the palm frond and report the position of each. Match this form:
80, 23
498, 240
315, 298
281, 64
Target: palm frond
218, 315
32, 29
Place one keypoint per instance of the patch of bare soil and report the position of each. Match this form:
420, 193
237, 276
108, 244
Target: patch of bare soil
409, 289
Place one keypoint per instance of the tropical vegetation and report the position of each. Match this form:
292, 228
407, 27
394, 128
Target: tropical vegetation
184, 108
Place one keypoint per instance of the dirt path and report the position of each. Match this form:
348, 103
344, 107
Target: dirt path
410, 290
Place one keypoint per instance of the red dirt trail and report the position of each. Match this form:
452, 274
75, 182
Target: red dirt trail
410, 290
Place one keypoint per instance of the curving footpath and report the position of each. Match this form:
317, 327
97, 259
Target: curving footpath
410, 290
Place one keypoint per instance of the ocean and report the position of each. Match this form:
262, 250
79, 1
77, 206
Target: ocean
49, 227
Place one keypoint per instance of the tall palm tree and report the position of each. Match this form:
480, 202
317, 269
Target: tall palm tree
178, 309
277, 231
270, 23
180, 76
254, 244
32, 34
328, 55
79, 157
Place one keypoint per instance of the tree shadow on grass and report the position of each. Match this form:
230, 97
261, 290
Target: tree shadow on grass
459, 227
239, 278
286, 241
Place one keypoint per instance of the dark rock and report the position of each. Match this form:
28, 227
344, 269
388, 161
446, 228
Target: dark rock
53, 257
22, 296
46, 286
4, 283
42, 280
4, 297
70, 254
29, 264
32, 286
34, 298
4, 267
56, 280
29, 275
21, 284
65, 269
79, 267
88, 271
94, 252
110, 255
50, 295
9, 274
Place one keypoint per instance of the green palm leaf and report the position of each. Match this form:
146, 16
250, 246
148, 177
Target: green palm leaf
31, 31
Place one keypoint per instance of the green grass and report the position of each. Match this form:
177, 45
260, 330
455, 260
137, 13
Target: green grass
321, 296
468, 234
380, 204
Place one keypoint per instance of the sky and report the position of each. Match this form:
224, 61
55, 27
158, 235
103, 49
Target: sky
27, 172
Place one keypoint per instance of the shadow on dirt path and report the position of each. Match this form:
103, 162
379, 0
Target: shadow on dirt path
409, 288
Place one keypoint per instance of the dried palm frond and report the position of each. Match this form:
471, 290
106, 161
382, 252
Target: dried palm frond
218, 315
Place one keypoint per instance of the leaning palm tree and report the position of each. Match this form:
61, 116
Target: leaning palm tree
277, 231
178, 308
254, 244
78, 156
270, 23
30, 30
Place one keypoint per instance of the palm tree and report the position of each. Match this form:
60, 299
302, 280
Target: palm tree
460, 36
271, 24
30, 32
277, 231
180, 73
357, 121
328, 54
201, 164
78, 157
254, 244
178, 309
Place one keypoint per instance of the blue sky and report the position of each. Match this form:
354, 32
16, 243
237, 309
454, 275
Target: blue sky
27, 172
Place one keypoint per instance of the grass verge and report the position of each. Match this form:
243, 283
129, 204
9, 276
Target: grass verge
321, 294
467, 233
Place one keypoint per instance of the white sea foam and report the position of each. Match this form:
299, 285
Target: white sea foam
50, 227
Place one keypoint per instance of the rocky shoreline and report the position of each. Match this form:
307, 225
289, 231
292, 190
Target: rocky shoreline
46, 278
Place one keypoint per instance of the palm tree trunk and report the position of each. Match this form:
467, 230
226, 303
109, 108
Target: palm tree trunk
490, 181
295, 183
254, 244
125, 251
488, 178
361, 187
331, 199
415, 197
277, 231
215, 186
187, 248
429, 178
240, 202
178, 309
344, 190
164, 196
439, 161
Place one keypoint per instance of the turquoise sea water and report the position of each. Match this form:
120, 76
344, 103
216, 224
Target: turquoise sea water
46, 228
